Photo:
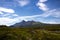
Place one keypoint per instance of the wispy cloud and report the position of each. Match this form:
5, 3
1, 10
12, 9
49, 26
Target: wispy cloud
4, 12
44, 17
53, 13
42, 5
23, 2
6, 16
2, 9
42, 1
6, 21
1, 12
12, 18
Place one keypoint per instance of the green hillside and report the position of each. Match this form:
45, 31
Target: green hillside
46, 33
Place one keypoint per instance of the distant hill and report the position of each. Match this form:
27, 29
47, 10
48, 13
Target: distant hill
26, 24
33, 24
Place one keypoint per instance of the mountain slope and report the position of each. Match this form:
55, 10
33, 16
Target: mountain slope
34, 24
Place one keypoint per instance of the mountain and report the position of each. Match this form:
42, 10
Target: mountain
33, 24
26, 24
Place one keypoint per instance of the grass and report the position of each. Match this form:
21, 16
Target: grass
7, 33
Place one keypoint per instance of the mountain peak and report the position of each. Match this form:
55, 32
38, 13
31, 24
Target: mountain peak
24, 23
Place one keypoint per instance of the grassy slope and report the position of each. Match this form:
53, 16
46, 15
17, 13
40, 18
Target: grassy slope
27, 34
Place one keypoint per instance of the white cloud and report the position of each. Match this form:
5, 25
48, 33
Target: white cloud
4, 12
1, 12
56, 13
15, 15
51, 22
2, 9
23, 2
6, 21
42, 1
10, 19
6, 16
53, 13
42, 5
44, 17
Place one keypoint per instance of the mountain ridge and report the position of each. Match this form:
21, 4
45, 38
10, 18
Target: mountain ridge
32, 24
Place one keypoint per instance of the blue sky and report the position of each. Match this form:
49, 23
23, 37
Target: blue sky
14, 11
